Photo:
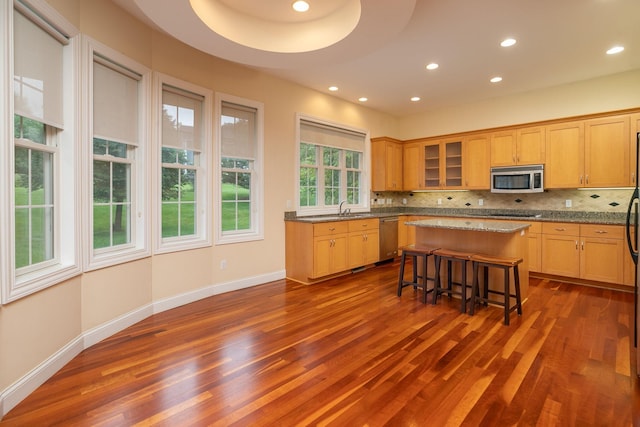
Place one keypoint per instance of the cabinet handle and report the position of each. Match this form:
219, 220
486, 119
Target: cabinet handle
633, 177
587, 179
560, 229
580, 179
583, 245
601, 232
332, 229
576, 245
515, 159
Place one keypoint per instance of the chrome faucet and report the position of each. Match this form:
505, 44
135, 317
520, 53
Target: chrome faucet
340, 212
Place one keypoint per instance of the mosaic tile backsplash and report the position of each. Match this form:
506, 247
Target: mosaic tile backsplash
584, 200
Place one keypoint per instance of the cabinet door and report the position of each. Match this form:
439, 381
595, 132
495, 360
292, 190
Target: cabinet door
372, 247
453, 164
476, 161
601, 259
356, 249
413, 170
530, 146
432, 174
322, 247
606, 154
378, 165
393, 166
503, 146
535, 251
633, 150
560, 255
564, 155
339, 256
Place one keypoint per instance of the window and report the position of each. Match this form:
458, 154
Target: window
117, 191
184, 208
240, 167
40, 195
331, 160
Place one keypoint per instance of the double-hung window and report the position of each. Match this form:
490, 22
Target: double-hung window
40, 186
331, 169
240, 166
118, 188
185, 150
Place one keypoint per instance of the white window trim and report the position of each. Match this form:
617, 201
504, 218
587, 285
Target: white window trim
365, 177
257, 232
69, 247
140, 246
203, 225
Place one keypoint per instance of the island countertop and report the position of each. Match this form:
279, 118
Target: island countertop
471, 225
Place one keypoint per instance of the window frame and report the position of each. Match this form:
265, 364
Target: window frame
321, 208
203, 236
140, 245
67, 252
257, 183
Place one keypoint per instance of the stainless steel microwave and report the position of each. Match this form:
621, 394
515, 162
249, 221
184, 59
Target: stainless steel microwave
517, 179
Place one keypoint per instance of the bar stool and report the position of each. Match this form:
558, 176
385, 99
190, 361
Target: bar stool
450, 256
505, 264
415, 252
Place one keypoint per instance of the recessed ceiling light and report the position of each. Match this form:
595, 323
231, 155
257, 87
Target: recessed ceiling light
415, 98
363, 99
507, 42
432, 66
615, 49
300, 6
333, 88
496, 79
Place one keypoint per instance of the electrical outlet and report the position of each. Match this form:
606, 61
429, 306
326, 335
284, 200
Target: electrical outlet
439, 201
404, 201
223, 264
480, 202
389, 201
567, 203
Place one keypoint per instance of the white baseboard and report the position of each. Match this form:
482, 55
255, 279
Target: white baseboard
24, 386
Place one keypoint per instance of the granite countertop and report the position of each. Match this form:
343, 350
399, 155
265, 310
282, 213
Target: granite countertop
611, 218
472, 225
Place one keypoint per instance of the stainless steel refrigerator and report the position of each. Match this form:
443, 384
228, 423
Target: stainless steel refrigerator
632, 242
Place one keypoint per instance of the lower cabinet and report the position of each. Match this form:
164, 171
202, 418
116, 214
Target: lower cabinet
317, 250
587, 251
364, 242
535, 246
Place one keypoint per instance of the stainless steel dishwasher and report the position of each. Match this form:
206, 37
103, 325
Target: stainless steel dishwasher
388, 237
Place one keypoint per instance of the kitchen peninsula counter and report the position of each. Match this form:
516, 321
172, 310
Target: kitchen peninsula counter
498, 238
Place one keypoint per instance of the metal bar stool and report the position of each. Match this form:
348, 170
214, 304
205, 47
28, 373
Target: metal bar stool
416, 252
505, 264
450, 256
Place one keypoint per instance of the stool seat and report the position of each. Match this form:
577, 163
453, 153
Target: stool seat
450, 256
492, 259
505, 264
416, 252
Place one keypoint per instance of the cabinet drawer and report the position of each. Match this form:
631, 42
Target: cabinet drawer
604, 231
536, 227
330, 228
363, 224
561, 228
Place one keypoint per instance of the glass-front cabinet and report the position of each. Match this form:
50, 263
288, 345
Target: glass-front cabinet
443, 165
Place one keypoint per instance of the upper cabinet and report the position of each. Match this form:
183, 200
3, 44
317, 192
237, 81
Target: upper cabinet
413, 166
524, 146
564, 167
606, 152
589, 153
386, 164
633, 149
476, 155
433, 165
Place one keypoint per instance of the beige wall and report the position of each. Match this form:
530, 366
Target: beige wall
611, 93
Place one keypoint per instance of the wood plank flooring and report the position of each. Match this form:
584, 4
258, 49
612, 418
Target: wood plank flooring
350, 352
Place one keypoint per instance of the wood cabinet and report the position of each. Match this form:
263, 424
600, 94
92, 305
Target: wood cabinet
587, 251
535, 247
413, 166
633, 149
317, 251
386, 164
560, 255
364, 238
524, 146
564, 166
476, 161
443, 165
606, 152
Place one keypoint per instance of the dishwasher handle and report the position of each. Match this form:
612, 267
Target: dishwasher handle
393, 219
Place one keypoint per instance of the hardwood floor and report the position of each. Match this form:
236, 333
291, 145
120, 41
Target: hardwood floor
350, 352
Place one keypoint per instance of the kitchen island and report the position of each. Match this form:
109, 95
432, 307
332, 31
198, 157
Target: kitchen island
498, 238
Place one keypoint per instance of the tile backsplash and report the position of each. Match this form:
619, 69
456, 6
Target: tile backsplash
586, 200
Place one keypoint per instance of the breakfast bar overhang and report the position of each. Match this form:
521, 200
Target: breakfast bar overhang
498, 238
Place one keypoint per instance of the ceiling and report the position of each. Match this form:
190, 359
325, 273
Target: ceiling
379, 49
